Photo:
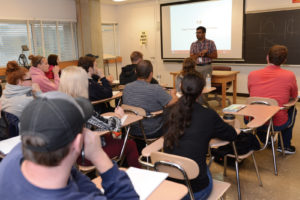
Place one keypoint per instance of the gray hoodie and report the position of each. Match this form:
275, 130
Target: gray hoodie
15, 98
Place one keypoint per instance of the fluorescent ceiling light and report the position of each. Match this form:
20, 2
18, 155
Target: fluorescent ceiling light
119, 0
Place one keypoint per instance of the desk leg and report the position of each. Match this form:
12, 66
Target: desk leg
223, 94
234, 89
124, 143
174, 77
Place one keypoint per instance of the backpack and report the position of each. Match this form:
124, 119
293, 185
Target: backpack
244, 143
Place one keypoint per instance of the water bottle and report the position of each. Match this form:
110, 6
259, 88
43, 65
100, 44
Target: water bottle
208, 81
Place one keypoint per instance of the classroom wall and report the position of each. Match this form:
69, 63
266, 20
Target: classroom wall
38, 9
144, 16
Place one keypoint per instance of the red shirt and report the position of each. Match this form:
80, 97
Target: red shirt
276, 83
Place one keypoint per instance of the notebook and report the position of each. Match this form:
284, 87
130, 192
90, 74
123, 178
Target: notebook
7, 145
234, 108
145, 181
115, 93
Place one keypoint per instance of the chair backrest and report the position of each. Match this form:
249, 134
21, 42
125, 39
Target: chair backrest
261, 100
136, 110
171, 164
12, 122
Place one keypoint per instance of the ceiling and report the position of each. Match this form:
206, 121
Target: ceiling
111, 2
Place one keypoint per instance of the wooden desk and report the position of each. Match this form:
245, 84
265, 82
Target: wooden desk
116, 96
260, 114
131, 118
224, 77
166, 190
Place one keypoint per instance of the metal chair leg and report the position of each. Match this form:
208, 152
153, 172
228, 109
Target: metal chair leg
238, 179
237, 170
274, 156
281, 143
256, 169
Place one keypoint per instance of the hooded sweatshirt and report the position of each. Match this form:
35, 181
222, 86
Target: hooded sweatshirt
15, 98
39, 77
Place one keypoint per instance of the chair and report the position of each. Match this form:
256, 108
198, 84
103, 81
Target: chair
141, 112
218, 86
12, 122
270, 132
179, 167
215, 143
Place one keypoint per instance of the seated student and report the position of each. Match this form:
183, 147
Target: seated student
52, 138
128, 74
151, 97
74, 82
281, 85
18, 92
39, 65
188, 129
97, 91
188, 65
53, 61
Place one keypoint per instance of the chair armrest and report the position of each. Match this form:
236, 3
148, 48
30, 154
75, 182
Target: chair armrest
154, 114
291, 103
154, 146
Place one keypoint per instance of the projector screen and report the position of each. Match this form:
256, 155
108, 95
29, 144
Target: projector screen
223, 20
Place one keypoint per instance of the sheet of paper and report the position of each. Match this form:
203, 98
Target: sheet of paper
123, 119
145, 181
115, 92
7, 145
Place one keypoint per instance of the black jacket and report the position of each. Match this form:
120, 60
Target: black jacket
128, 75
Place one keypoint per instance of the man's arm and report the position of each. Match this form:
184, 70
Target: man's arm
174, 97
116, 183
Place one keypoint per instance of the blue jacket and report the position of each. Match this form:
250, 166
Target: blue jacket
13, 184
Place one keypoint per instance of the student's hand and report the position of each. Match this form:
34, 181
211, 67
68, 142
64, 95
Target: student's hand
94, 152
203, 52
173, 92
55, 69
110, 78
98, 71
35, 88
119, 112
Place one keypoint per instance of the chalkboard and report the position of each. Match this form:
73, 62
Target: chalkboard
263, 30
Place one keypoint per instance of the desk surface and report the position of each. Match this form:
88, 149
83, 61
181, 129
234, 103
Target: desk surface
131, 118
116, 96
217, 73
166, 190
260, 113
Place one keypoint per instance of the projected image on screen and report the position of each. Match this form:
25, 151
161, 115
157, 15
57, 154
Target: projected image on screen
223, 20
218, 28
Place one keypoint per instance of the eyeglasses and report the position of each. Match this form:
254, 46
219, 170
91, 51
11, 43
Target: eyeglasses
27, 79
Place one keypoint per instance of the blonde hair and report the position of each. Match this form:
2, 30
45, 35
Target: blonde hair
74, 82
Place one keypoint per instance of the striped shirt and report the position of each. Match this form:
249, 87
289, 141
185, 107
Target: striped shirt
150, 97
198, 46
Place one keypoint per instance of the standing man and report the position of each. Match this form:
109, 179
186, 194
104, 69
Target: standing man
281, 85
203, 51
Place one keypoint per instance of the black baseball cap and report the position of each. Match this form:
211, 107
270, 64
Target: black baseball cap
55, 117
92, 55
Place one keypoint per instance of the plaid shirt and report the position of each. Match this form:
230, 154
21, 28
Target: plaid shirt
198, 46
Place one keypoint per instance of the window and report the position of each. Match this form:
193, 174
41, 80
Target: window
109, 39
42, 37
12, 37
